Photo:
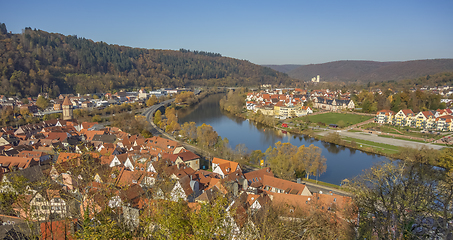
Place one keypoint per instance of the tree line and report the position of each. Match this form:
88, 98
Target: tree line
37, 61
417, 101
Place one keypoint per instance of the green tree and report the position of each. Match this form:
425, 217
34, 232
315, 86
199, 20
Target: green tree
96, 118
42, 102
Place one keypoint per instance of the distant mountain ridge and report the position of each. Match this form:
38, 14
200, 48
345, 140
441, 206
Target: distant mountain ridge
367, 71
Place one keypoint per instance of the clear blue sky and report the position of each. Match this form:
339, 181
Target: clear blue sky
263, 32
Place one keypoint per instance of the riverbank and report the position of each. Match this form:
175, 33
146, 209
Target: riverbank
327, 135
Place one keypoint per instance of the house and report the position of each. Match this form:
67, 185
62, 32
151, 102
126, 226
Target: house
224, 167
166, 145
330, 203
404, 118
424, 120
121, 160
28, 175
443, 123
185, 189
65, 157
188, 158
332, 104
36, 155
255, 178
10, 164
265, 110
58, 229
303, 111
42, 206
384, 116
277, 185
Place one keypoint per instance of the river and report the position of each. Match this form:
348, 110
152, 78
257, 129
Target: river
342, 162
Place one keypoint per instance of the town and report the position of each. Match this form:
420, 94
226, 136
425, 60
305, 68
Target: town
62, 172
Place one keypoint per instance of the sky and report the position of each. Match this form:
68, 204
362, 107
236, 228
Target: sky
262, 32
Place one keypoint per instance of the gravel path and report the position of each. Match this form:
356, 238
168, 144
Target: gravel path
377, 139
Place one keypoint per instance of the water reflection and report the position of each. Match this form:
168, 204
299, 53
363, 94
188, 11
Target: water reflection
341, 162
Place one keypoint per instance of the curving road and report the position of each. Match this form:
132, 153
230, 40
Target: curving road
149, 113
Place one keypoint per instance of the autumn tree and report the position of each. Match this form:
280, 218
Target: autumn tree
157, 117
288, 161
396, 200
256, 156
281, 160
151, 101
310, 161
206, 136
186, 98
189, 130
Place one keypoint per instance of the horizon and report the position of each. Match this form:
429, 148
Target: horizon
264, 33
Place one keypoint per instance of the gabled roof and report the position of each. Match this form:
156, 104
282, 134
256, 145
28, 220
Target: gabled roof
61, 136
287, 186
31, 154
64, 156
257, 175
16, 162
87, 125
104, 138
428, 114
188, 156
126, 177
386, 112
407, 112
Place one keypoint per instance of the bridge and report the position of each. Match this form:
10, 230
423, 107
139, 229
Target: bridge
149, 113
40, 114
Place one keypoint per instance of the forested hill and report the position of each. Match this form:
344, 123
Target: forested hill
369, 71
36, 61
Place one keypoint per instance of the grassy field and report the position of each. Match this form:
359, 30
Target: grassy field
403, 131
385, 148
334, 118
401, 138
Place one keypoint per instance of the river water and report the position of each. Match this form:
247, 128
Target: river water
342, 162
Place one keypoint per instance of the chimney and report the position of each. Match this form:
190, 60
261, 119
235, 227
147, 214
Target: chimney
299, 180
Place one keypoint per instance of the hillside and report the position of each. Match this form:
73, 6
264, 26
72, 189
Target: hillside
38, 61
369, 71
283, 68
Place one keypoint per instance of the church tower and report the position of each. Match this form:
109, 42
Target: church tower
67, 109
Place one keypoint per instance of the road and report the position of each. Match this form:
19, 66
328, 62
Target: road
149, 112
377, 139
